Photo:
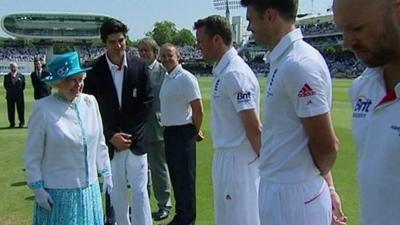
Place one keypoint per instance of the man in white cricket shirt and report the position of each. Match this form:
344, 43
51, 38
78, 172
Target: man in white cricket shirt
298, 141
236, 127
371, 28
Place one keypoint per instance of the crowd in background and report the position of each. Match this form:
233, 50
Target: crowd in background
21, 54
318, 28
341, 63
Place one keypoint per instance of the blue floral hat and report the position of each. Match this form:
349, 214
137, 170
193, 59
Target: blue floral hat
64, 66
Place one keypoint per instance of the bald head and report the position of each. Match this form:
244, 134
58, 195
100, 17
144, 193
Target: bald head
359, 5
369, 29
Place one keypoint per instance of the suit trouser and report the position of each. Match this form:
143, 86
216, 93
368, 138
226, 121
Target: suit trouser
128, 168
159, 173
11, 110
180, 149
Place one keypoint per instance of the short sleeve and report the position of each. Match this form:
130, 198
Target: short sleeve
308, 87
241, 91
190, 88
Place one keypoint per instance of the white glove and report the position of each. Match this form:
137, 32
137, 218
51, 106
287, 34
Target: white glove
107, 183
43, 198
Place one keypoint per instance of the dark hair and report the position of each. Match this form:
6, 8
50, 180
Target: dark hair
286, 8
216, 25
37, 59
112, 26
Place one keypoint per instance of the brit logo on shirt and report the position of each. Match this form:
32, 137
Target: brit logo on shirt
243, 97
362, 107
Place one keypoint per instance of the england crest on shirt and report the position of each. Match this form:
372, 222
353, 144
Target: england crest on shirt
216, 88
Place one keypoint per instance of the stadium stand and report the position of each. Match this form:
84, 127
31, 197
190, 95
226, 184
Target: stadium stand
318, 30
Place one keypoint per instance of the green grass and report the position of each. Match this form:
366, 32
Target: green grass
16, 199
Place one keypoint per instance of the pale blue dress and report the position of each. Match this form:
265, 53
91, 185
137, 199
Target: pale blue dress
65, 151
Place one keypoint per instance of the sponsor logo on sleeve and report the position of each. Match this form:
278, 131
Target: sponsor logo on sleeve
243, 97
306, 91
361, 107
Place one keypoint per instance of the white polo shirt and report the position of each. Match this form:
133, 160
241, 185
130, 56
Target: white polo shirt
235, 88
299, 86
376, 131
178, 89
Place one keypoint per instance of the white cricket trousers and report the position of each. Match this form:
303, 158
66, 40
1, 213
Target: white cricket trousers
128, 168
307, 203
235, 182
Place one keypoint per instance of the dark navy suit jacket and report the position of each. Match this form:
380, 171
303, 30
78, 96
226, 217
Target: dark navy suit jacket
14, 91
136, 100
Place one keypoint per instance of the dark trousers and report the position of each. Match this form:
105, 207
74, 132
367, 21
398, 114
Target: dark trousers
109, 215
180, 152
11, 110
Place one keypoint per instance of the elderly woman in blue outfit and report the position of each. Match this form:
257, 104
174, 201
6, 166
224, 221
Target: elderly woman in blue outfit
66, 150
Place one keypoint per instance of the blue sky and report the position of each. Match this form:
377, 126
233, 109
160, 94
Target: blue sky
140, 15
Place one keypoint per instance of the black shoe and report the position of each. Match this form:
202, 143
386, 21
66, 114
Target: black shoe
173, 222
109, 221
21, 125
11, 126
160, 215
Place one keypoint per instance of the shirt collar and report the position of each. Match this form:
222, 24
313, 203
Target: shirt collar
114, 67
152, 65
284, 44
224, 61
391, 95
174, 72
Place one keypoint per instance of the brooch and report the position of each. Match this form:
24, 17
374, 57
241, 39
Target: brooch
87, 100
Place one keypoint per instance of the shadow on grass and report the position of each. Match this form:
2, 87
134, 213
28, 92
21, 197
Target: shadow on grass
12, 128
30, 198
18, 184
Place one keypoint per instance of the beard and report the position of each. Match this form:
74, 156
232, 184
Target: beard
385, 48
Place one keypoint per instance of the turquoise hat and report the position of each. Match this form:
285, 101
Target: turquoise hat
64, 66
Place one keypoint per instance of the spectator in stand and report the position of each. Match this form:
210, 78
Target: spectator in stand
40, 88
14, 83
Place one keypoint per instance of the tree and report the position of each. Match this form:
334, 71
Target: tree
184, 37
163, 32
166, 31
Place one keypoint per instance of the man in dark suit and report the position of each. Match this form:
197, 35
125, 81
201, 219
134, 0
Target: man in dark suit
40, 88
14, 83
122, 88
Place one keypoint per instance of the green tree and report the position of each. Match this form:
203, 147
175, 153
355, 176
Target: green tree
184, 37
163, 32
